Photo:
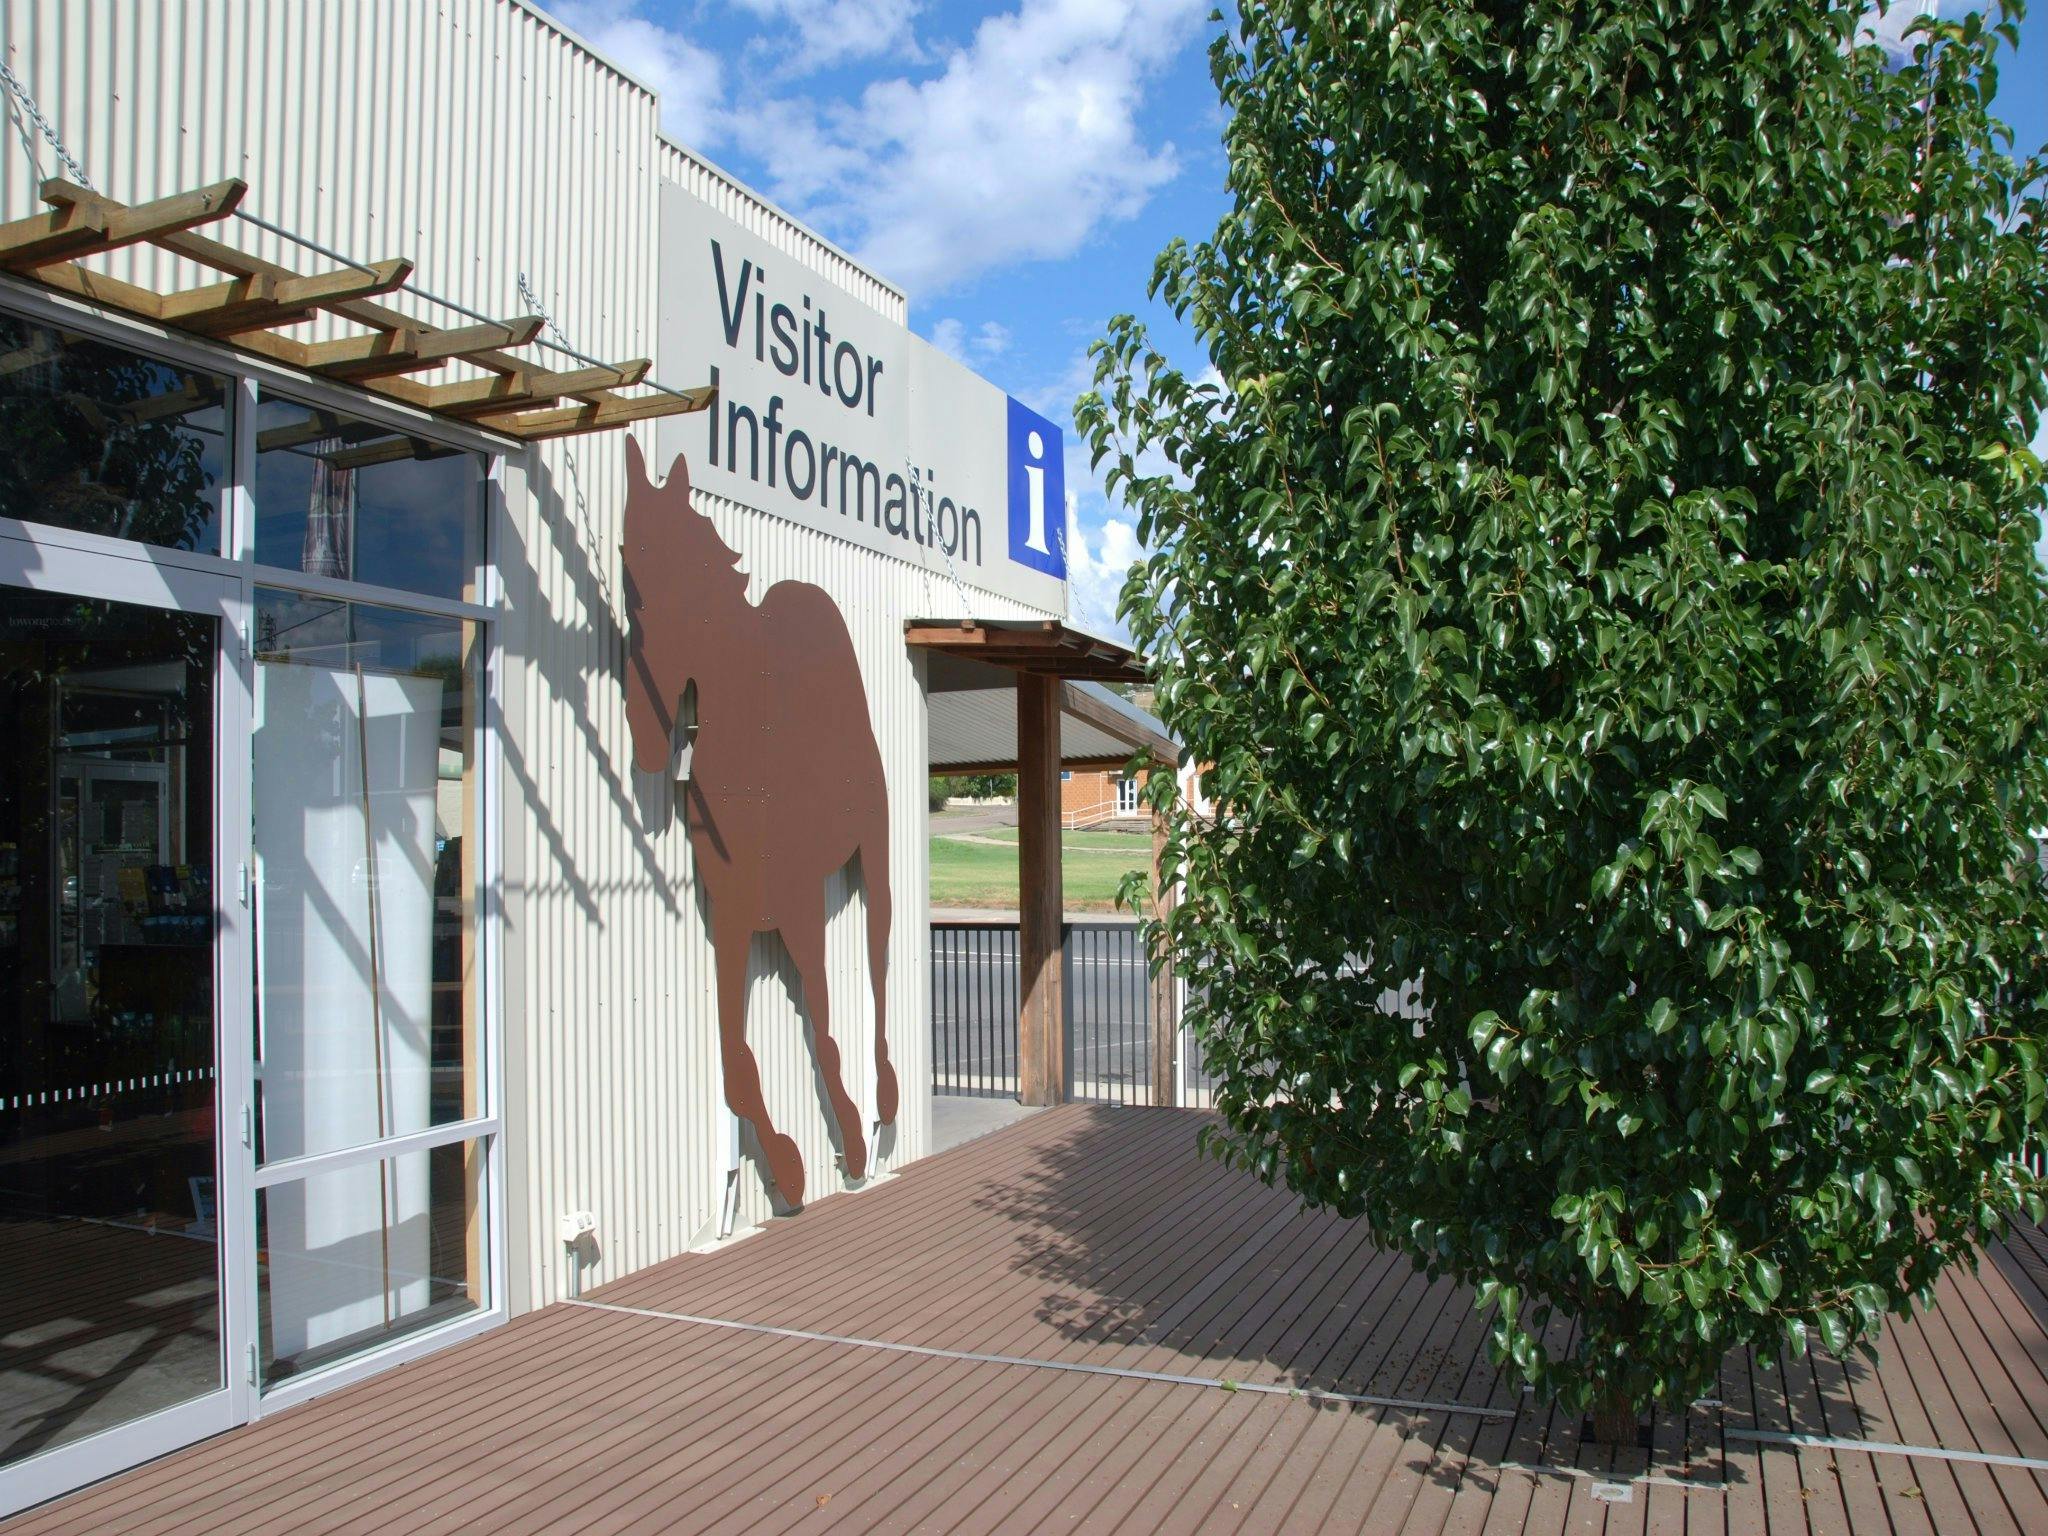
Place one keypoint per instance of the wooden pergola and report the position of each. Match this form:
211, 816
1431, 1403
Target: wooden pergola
257, 299
1039, 647
1047, 656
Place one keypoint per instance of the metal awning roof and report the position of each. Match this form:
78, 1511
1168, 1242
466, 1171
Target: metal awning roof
509, 394
1047, 646
973, 721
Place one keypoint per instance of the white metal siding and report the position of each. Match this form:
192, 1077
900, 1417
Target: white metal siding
709, 184
475, 138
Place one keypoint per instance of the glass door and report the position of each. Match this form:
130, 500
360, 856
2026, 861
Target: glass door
1127, 795
123, 1175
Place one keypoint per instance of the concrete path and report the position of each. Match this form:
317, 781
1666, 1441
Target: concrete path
960, 1117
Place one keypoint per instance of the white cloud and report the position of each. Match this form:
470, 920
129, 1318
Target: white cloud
950, 337
1889, 26
1096, 568
990, 339
817, 34
1022, 148
690, 81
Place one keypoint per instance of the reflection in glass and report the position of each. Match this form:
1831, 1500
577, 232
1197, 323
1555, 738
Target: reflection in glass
110, 1301
363, 792
353, 500
95, 438
333, 1284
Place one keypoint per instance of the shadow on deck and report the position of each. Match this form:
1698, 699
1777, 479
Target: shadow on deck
1077, 1322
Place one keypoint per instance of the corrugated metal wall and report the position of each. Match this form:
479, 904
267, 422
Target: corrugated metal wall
469, 135
709, 184
477, 139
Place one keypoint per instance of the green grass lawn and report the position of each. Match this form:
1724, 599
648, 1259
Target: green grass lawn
968, 874
1136, 844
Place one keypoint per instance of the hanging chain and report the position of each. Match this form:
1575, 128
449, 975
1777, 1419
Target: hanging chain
43, 125
1066, 568
534, 306
919, 490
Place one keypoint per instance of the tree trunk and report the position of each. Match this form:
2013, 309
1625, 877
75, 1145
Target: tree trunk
1615, 1421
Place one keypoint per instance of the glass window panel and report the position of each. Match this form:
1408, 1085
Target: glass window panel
351, 499
364, 796
350, 1260
110, 1305
100, 439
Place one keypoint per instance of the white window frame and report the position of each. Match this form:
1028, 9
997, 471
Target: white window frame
30, 562
236, 562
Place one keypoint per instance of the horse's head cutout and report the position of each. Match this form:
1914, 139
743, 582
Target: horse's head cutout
785, 783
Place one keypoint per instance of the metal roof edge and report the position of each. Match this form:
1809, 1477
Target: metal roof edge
576, 39
1126, 708
781, 212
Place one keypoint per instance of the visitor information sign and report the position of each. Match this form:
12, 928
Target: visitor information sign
835, 417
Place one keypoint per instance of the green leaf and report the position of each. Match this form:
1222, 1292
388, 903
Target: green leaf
1625, 1271
1834, 1333
1768, 1279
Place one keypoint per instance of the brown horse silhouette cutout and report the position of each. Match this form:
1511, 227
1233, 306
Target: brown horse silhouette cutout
785, 786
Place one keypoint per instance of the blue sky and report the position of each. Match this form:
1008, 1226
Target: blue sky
1015, 166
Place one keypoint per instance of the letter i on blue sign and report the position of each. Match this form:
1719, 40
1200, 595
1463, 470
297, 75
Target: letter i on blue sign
1038, 492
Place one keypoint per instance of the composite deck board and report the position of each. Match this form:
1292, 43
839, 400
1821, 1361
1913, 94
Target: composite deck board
1096, 1237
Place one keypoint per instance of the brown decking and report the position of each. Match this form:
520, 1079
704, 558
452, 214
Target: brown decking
1092, 1236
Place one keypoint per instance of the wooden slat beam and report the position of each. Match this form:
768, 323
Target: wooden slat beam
318, 425
260, 301
40, 349
83, 224
238, 263
1077, 666
386, 451
197, 393
523, 392
415, 348
976, 637
259, 295
83, 283
596, 418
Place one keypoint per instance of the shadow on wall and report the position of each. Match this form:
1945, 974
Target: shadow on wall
568, 632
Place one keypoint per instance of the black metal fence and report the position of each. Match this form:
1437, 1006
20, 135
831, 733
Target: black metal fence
1109, 1013
976, 996
974, 1008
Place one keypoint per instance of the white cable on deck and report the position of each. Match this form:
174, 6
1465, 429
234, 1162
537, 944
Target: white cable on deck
1884, 1448
1317, 1394
972, 1357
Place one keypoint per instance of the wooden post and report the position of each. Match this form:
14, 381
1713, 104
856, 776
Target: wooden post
1042, 1020
1165, 996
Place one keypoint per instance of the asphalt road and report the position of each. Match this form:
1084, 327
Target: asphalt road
974, 1008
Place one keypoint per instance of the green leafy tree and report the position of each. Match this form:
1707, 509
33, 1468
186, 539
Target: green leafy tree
973, 786
1602, 587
